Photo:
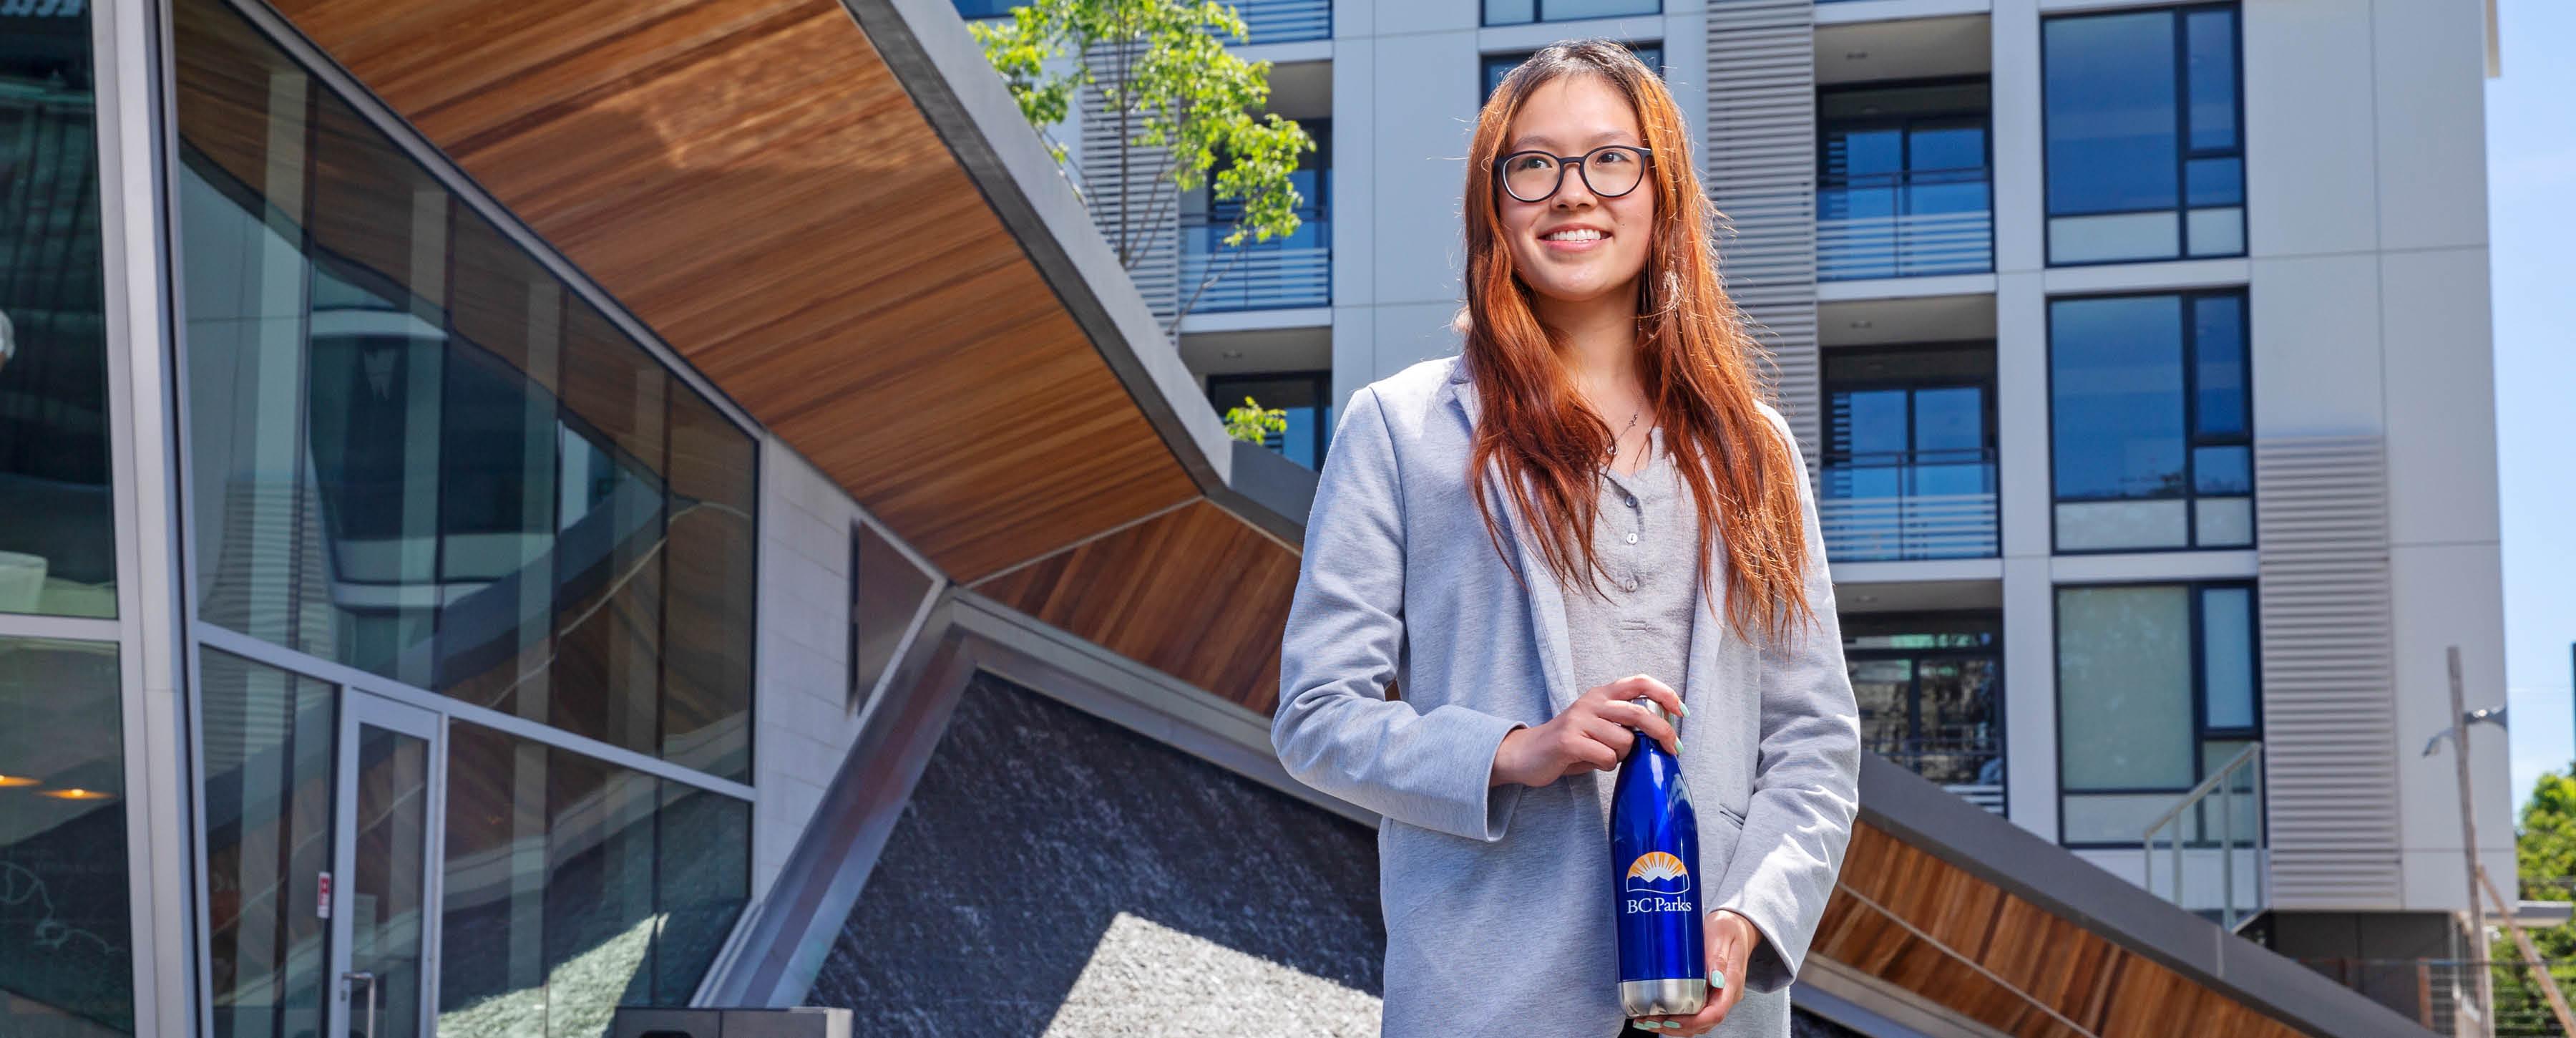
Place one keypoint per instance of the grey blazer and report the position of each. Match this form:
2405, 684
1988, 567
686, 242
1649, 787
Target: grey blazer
1498, 899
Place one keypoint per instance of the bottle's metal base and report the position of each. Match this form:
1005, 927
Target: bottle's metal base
1663, 997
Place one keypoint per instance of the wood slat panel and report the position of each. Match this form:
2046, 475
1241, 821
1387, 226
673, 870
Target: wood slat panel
750, 180
2003, 961
1195, 593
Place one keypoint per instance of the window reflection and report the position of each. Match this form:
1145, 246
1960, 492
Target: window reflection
267, 737
66, 937
57, 526
575, 886
415, 452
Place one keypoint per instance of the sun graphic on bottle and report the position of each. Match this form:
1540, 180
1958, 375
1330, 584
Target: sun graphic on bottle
1658, 872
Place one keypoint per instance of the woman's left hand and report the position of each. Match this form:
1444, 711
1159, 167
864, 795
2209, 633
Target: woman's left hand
1731, 939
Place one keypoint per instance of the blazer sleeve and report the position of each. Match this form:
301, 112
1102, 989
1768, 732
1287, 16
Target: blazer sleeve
1806, 781
1335, 729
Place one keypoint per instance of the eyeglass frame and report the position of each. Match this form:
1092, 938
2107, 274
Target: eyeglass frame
1583, 169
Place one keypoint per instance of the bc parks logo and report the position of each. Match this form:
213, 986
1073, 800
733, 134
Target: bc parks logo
1658, 882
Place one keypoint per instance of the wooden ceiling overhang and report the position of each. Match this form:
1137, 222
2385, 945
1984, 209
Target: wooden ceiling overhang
832, 210
809, 202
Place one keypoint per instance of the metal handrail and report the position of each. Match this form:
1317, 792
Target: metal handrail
2219, 782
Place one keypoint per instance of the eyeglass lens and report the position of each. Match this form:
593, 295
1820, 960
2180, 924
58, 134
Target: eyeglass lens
1608, 172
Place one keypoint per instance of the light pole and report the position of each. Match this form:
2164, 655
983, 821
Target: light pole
2458, 732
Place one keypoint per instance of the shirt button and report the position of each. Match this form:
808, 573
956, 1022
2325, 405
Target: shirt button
1629, 584
1632, 538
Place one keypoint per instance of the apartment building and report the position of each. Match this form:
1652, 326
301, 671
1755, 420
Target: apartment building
2142, 352
506, 521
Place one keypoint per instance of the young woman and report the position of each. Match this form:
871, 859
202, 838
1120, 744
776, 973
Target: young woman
1590, 505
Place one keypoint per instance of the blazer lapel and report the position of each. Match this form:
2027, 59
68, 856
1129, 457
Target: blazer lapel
1547, 601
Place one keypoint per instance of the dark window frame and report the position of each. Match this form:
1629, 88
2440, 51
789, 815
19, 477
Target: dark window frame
1490, 62
1993, 652
2201, 733
1905, 121
2192, 439
1988, 415
2183, 151
1538, 15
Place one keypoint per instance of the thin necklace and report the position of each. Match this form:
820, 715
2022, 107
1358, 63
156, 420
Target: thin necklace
1613, 452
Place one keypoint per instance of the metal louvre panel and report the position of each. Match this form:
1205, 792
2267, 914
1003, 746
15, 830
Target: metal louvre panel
1760, 167
2329, 709
1157, 271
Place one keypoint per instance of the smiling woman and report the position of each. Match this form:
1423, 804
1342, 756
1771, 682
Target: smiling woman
1612, 426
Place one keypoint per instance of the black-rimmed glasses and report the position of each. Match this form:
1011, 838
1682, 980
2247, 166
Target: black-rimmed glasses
1610, 170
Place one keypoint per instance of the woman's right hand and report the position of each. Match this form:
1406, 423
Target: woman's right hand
1594, 733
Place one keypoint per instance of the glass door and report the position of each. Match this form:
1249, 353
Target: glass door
390, 760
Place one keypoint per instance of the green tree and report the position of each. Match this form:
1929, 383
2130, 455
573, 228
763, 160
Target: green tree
1179, 99
2544, 851
1254, 423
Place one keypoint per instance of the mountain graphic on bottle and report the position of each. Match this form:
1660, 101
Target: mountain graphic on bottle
1656, 872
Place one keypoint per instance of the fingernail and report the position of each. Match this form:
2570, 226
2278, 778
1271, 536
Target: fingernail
1685, 707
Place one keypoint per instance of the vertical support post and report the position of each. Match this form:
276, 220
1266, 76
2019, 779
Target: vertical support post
2469, 845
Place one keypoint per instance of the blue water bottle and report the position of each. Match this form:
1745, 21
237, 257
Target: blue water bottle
1654, 852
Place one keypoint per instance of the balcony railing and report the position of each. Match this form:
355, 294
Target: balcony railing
2224, 812
1286, 21
1958, 758
1275, 275
1910, 505
1907, 225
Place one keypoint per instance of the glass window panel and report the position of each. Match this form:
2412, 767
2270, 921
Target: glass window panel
2247, 814
2118, 525
2222, 470
2122, 236
58, 545
2218, 181
599, 891
2217, 232
66, 932
1950, 420
2223, 522
2116, 385
575, 886
706, 692
2122, 818
1947, 147
492, 965
1884, 689
268, 786
2218, 364
1866, 156
2124, 687
388, 890
2227, 656
2210, 37
417, 453
1958, 732
703, 877
1567, 10
886, 589
2109, 98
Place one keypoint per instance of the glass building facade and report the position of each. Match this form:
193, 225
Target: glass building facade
67, 936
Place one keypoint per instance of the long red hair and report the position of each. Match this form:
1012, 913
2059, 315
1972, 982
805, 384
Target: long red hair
1693, 354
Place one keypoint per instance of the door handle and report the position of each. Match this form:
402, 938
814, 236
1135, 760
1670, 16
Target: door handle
354, 976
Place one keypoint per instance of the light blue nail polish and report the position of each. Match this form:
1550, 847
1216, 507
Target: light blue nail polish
1685, 711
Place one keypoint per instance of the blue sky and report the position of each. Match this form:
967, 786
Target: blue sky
2531, 223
